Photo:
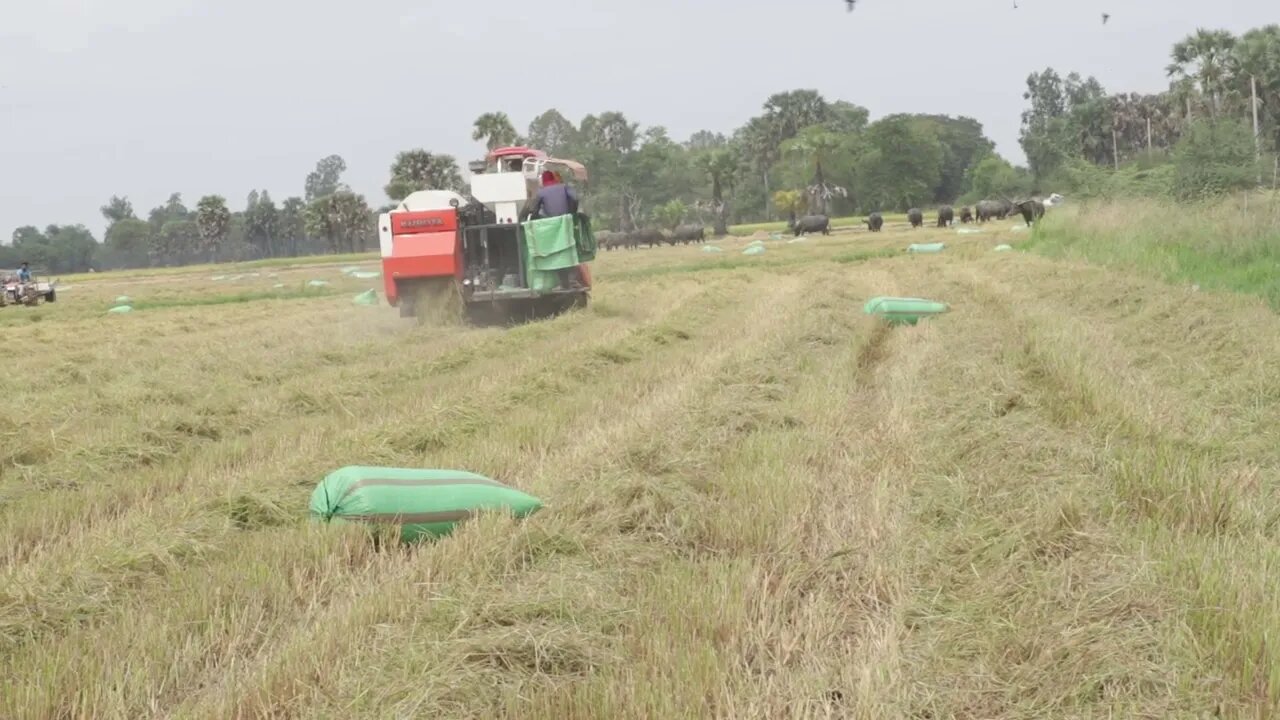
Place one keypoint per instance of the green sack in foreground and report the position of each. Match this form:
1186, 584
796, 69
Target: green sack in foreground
423, 503
121, 309
368, 297
908, 311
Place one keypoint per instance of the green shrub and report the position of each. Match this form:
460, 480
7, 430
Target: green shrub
1214, 158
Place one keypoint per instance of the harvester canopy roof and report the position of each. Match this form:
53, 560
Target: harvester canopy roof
578, 169
575, 168
519, 151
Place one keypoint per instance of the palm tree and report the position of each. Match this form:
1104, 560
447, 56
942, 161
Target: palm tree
793, 111
759, 138
719, 165
1206, 57
213, 220
495, 129
1257, 67
815, 146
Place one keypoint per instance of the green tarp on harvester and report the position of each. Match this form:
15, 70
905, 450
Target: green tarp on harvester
423, 503
556, 243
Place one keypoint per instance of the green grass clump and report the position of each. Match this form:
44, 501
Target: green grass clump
1231, 245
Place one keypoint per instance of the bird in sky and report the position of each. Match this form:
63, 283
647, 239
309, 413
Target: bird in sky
1105, 18
850, 3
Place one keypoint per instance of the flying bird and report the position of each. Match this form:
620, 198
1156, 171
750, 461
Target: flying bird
1105, 18
850, 3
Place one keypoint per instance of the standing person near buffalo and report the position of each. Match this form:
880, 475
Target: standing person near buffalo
553, 199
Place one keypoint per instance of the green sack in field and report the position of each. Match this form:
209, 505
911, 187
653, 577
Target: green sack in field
926, 247
365, 274
1003, 248
368, 297
123, 300
121, 309
423, 503
754, 250
899, 310
317, 283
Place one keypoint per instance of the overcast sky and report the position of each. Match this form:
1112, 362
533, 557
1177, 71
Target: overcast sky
146, 97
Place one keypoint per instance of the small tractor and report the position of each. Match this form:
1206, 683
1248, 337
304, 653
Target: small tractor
447, 256
30, 293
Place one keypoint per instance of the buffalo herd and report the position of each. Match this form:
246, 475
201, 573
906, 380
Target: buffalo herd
984, 211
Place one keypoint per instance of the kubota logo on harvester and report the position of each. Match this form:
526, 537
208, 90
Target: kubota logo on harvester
421, 222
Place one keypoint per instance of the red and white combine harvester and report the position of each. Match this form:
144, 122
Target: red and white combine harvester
443, 252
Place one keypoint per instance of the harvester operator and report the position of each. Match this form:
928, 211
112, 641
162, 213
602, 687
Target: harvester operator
553, 199
24, 273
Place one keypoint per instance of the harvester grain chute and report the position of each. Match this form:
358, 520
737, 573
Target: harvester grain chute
446, 256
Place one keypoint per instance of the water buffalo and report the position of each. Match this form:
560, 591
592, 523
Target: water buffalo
641, 236
916, 217
875, 221
609, 240
1032, 210
989, 210
966, 214
946, 216
811, 224
689, 233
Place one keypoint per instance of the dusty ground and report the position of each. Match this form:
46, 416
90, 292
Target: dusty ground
1058, 500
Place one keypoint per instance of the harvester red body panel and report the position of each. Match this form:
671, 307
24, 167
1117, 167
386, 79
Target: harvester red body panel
423, 244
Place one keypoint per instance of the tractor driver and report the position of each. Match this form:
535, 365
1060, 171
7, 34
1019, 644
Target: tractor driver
553, 199
24, 273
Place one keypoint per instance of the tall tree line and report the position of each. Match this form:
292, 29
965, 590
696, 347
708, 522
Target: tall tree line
801, 153
1199, 129
823, 156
